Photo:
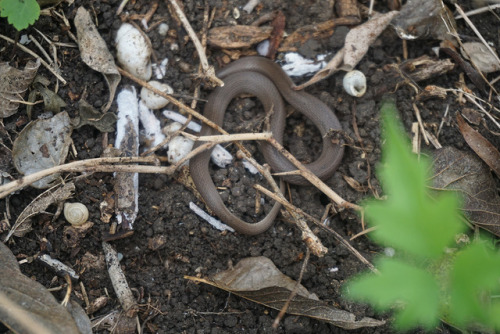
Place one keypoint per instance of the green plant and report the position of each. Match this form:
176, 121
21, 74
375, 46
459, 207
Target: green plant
430, 277
20, 13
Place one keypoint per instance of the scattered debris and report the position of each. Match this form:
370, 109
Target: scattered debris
357, 42
239, 36
481, 56
59, 268
483, 148
220, 156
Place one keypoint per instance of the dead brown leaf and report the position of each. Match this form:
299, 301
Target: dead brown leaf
26, 306
483, 148
95, 53
257, 279
465, 173
13, 85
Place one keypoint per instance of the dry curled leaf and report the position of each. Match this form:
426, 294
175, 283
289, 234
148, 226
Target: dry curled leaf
51, 101
42, 144
424, 19
39, 205
479, 55
466, 174
13, 85
239, 36
257, 279
104, 122
95, 53
483, 148
26, 306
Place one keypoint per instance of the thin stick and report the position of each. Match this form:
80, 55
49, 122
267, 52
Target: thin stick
209, 71
478, 34
25, 49
310, 239
8, 188
293, 293
217, 139
318, 223
477, 11
308, 175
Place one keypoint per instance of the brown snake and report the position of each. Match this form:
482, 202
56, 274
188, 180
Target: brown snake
266, 80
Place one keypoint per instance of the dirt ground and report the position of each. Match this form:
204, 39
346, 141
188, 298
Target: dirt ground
170, 303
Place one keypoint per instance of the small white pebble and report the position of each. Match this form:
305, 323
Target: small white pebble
178, 148
133, 51
263, 48
389, 251
174, 47
163, 29
333, 270
152, 100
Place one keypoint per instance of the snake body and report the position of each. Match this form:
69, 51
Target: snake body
266, 80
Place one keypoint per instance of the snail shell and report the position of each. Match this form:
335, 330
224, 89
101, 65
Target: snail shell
355, 83
76, 213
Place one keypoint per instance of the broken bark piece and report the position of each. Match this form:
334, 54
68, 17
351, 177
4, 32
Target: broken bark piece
278, 25
239, 36
119, 281
127, 140
315, 31
413, 70
348, 9
471, 72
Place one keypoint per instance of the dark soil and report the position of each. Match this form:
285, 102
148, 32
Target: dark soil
169, 302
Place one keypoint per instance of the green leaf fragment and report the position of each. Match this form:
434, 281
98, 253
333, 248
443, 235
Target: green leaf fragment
20, 13
427, 280
413, 291
475, 286
410, 219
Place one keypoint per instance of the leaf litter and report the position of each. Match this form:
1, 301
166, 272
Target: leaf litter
13, 85
42, 144
26, 306
257, 279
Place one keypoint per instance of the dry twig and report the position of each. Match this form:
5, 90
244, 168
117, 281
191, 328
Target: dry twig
209, 71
